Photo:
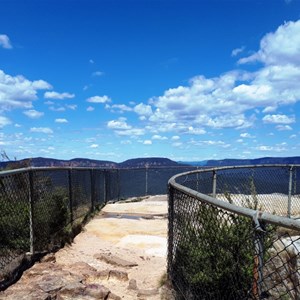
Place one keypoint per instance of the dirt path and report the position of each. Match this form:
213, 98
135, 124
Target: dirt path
121, 254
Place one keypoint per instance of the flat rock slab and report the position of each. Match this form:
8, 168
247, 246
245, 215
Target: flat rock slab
115, 260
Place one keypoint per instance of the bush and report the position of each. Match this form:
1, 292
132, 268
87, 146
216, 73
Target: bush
215, 254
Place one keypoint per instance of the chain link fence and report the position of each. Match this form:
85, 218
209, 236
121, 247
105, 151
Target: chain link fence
42, 208
233, 233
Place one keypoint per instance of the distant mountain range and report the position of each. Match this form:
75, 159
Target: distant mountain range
91, 163
142, 162
242, 162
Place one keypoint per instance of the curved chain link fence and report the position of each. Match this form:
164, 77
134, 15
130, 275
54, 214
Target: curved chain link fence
233, 233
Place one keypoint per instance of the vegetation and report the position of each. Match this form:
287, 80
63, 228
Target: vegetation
215, 256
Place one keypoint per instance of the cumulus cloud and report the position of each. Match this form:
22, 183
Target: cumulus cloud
133, 132
247, 135
5, 42
118, 124
226, 100
60, 96
61, 121
143, 109
19, 92
281, 47
159, 137
33, 114
147, 142
4, 121
46, 130
121, 108
278, 119
99, 99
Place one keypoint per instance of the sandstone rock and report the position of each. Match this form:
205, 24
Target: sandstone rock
97, 291
112, 296
25, 294
71, 290
115, 260
119, 275
50, 283
152, 292
132, 285
49, 258
82, 269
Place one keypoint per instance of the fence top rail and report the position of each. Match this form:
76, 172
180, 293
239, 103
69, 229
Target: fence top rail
21, 170
205, 169
244, 211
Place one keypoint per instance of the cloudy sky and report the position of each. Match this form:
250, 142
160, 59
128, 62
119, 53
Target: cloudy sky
113, 80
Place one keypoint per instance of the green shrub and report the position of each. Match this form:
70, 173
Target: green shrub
215, 254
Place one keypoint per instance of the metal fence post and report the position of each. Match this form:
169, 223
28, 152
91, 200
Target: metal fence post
31, 214
258, 258
170, 230
146, 183
214, 188
290, 192
70, 195
92, 179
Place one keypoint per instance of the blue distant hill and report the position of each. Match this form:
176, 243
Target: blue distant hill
242, 162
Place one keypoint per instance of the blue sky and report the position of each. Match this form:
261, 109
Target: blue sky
114, 80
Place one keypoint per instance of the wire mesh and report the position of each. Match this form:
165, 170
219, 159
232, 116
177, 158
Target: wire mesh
216, 253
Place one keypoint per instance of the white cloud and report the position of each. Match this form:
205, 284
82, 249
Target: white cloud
159, 137
46, 130
293, 136
225, 101
247, 135
278, 119
5, 42
19, 92
118, 124
143, 109
97, 74
90, 108
99, 99
94, 146
33, 114
281, 47
175, 138
196, 131
61, 121
133, 132
60, 96
4, 121
147, 142
118, 107
237, 51
71, 106
283, 127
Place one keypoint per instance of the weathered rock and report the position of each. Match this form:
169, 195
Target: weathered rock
82, 269
115, 260
151, 292
71, 290
97, 277
25, 294
97, 291
49, 258
119, 275
132, 285
50, 283
112, 296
